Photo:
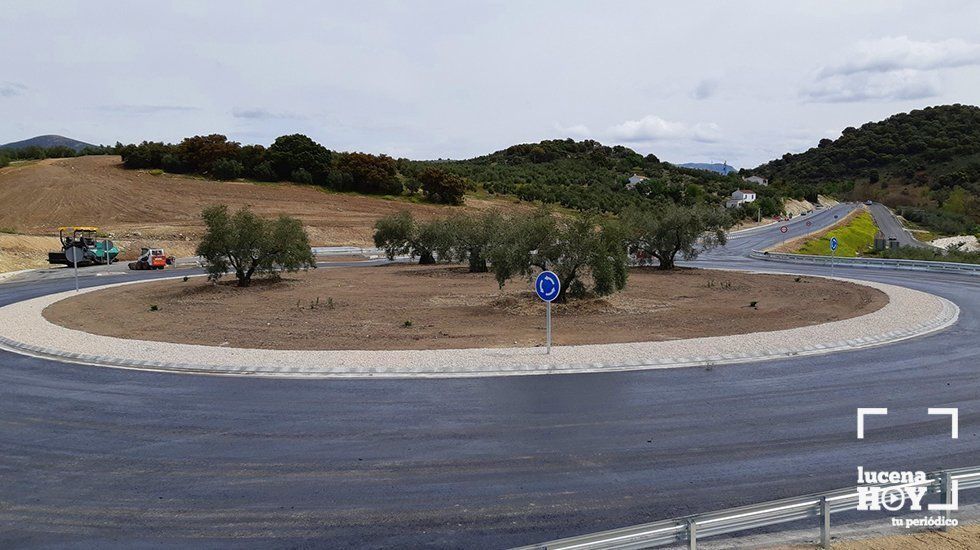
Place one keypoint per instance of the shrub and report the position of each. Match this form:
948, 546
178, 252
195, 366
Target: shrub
264, 172
227, 169
366, 173
441, 186
300, 175
173, 163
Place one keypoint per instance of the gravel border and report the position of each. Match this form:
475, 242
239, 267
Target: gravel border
909, 313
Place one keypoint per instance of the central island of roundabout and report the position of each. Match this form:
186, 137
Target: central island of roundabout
400, 321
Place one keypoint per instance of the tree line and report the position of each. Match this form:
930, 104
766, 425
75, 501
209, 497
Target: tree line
589, 252
39, 153
295, 158
587, 175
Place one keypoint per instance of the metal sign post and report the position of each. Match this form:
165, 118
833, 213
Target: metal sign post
73, 253
833, 254
547, 286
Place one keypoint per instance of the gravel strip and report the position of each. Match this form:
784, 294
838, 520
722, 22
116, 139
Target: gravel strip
909, 313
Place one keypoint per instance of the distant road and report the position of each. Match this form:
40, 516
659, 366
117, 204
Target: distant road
890, 225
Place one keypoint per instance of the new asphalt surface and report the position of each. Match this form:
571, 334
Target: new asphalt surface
891, 227
97, 457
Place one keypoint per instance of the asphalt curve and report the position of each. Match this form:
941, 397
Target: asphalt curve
113, 458
891, 227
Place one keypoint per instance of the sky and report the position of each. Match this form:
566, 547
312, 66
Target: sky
739, 82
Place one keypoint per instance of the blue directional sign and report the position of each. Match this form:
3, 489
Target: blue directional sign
833, 243
547, 286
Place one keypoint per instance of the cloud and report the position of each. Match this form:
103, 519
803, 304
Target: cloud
262, 114
901, 53
890, 69
575, 130
146, 109
11, 89
894, 86
654, 128
705, 89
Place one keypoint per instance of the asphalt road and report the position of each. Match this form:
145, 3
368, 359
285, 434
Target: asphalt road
113, 458
891, 227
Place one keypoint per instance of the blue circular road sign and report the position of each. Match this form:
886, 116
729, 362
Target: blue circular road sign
547, 286
833, 243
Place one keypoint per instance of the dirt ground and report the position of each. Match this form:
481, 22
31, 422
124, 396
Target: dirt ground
139, 207
416, 307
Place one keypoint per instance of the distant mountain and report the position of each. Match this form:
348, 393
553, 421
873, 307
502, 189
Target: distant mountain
48, 141
722, 169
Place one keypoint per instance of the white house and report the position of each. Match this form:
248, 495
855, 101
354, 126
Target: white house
635, 179
740, 197
758, 180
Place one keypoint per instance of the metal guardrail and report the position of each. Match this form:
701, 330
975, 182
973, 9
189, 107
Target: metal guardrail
878, 263
691, 528
344, 250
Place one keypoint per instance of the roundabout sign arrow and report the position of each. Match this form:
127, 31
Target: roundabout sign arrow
547, 286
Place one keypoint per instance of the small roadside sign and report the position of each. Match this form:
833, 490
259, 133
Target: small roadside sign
547, 286
809, 223
783, 229
75, 254
833, 254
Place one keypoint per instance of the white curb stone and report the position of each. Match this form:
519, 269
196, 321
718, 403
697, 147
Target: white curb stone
908, 314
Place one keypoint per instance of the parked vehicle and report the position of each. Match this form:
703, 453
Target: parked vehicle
151, 258
93, 249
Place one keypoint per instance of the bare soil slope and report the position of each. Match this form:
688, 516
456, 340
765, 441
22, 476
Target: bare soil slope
37, 198
430, 307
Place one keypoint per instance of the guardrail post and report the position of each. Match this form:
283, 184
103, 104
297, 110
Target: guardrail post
824, 523
692, 534
946, 496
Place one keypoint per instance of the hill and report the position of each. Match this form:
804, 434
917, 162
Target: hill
925, 163
589, 175
47, 142
723, 169
165, 209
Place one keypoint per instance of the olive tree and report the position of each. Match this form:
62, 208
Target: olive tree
471, 237
400, 233
665, 232
247, 244
578, 249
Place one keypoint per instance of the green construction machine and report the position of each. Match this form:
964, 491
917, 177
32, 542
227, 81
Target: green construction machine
91, 249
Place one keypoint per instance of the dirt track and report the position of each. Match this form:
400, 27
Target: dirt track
412, 307
40, 197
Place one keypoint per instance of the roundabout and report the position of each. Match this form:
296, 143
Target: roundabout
907, 314
105, 456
